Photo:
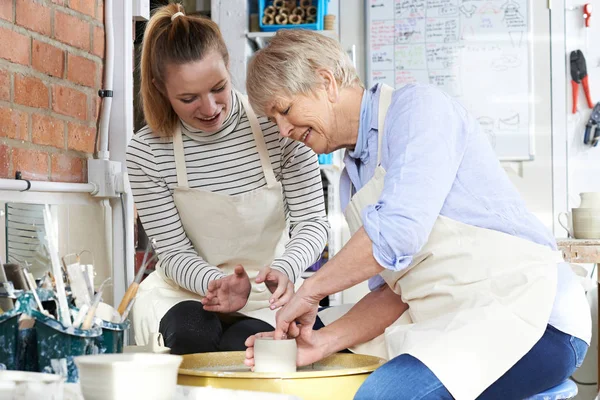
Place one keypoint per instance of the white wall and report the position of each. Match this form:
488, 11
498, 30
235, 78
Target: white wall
584, 161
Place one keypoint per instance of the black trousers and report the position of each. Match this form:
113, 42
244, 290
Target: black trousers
187, 328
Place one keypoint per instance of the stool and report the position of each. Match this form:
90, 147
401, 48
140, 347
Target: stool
566, 390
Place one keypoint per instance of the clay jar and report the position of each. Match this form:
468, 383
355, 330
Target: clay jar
275, 355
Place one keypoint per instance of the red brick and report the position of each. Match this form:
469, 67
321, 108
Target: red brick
100, 11
48, 59
66, 168
84, 6
33, 164
69, 102
34, 15
81, 70
14, 46
30, 91
98, 42
13, 124
4, 85
6, 10
81, 137
47, 131
4, 161
72, 30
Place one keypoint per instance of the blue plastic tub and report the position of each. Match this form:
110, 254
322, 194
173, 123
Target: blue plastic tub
318, 25
57, 343
113, 337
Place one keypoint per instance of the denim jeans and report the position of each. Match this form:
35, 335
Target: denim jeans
551, 360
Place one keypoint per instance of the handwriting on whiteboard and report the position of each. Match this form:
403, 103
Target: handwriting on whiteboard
468, 48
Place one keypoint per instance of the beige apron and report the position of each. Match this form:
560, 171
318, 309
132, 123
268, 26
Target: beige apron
478, 299
248, 229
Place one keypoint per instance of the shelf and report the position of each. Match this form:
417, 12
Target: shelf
254, 35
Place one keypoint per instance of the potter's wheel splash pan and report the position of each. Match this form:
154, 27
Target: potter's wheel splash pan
337, 377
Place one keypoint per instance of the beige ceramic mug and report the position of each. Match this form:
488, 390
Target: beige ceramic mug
274, 355
565, 219
586, 223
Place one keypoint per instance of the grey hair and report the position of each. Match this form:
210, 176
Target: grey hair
288, 66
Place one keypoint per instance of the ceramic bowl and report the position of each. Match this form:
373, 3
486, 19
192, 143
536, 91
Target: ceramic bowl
128, 376
274, 355
20, 385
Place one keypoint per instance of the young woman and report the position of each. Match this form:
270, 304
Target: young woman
236, 211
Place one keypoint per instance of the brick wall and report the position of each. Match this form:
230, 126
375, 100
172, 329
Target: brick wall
51, 66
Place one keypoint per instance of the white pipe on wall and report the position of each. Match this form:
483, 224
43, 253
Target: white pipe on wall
40, 186
109, 49
120, 132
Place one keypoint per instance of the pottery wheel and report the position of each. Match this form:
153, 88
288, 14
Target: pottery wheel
231, 365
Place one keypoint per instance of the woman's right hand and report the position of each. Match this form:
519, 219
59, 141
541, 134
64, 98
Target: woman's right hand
311, 345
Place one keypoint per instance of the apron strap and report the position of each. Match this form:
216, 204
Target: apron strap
385, 99
259, 139
182, 180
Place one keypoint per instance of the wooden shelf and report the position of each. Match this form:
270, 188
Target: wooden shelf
254, 35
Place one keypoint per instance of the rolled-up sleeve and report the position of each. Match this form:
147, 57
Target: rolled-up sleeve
425, 139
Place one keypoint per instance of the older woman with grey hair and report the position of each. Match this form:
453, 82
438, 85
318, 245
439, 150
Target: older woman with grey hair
469, 297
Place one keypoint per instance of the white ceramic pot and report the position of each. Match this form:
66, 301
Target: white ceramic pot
586, 223
20, 385
589, 200
128, 376
275, 355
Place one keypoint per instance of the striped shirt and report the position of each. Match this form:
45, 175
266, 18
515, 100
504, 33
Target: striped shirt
225, 162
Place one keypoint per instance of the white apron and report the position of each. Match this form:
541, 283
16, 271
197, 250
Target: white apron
248, 229
478, 299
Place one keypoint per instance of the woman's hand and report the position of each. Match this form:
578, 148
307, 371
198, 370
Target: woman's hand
278, 284
311, 347
299, 314
228, 294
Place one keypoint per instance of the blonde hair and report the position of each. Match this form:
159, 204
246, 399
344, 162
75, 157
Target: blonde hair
171, 37
288, 66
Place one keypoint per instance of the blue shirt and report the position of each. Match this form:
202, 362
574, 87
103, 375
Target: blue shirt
437, 162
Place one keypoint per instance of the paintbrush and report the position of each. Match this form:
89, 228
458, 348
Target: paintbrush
133, 288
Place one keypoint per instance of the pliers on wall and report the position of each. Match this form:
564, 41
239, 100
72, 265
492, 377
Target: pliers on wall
591, 136
579, 75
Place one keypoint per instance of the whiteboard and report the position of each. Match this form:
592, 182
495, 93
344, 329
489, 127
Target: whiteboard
476, 50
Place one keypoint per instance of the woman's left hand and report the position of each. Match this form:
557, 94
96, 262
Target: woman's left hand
312, 346
228, 294
278, 284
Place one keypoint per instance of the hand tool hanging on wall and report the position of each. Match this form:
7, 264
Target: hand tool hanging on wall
587, 14
592, 133
579, 75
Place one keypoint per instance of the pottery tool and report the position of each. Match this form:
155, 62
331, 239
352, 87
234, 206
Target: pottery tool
89, 316
78, 320
127, 310
133, 288
79, 286
31, 283
61, 294
5, 302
